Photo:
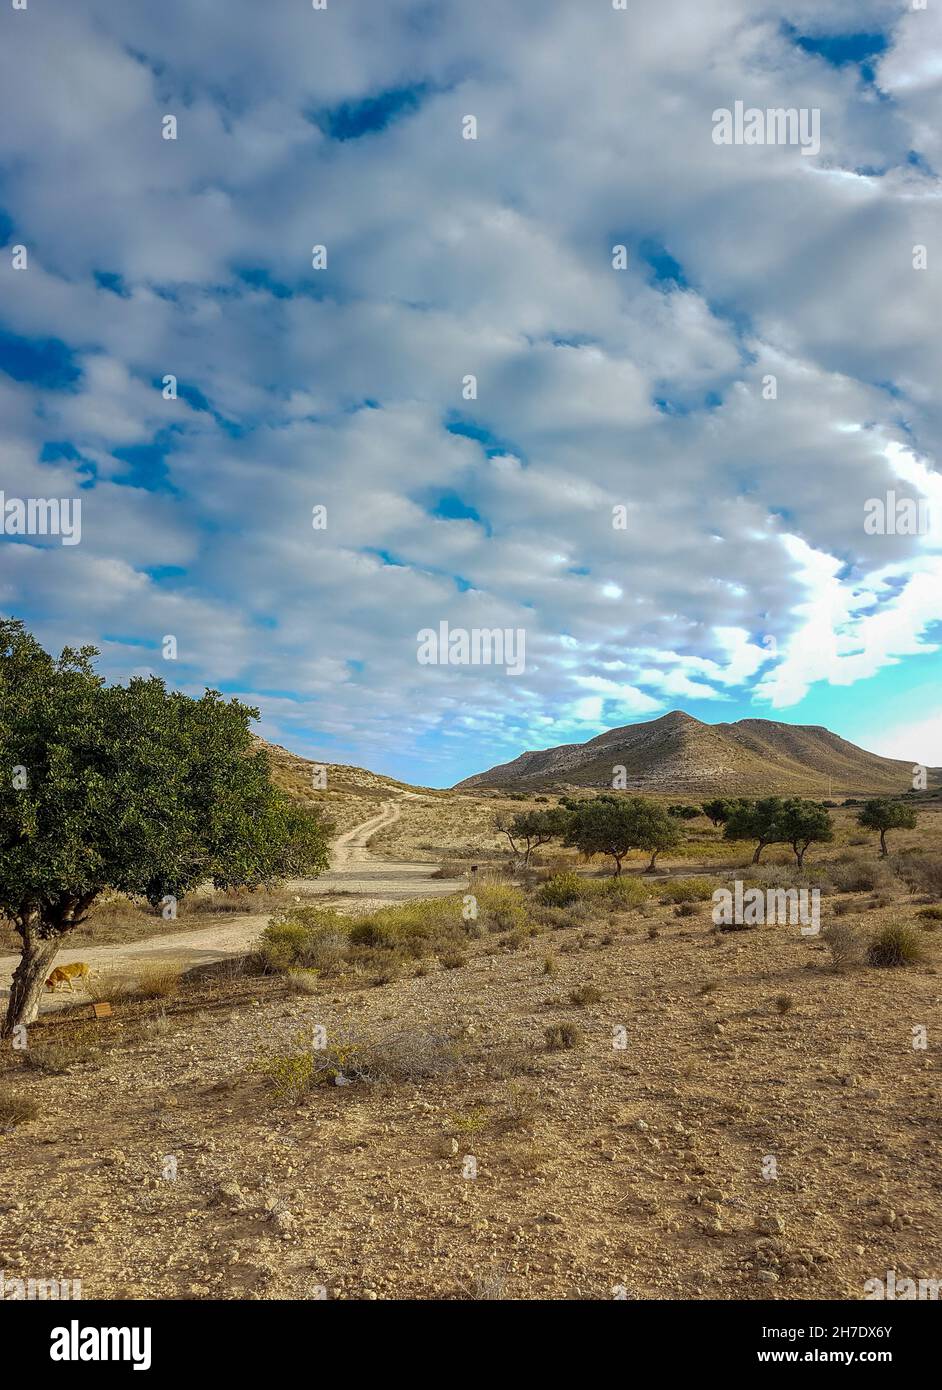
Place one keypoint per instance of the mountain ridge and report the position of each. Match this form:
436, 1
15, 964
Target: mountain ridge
678, 753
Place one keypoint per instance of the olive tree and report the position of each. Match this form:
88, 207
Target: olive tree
132, 788
532, 829
884, 814
614, 825
804, 823
759, 821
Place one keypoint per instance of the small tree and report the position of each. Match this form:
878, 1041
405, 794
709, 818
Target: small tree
884, 814
131, 788
758, 821
614, 825
603, 825
681, 812
721, 808
804, 823
655, 831
532, 828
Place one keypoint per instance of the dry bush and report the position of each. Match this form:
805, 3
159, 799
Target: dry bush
584, 995
56, 1049
921, 874
452, 960
559, 918
486, 1285
845, 945
15, 1110
302, 981
561, 1037
784, 1003
157, 982
853, 873
351, 1058
451, 868
687, 910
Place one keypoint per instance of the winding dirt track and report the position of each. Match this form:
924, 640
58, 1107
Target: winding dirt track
364, 879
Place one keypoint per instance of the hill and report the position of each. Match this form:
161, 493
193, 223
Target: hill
351, 794
677, 753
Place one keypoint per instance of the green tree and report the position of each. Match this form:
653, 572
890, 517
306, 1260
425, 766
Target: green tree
134, 789
884, 814
681, 812
614, 825
759, 820
721, 808
803, 823
532, 829
655, 830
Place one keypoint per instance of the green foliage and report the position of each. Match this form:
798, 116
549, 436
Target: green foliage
681, 812
134, 789
884, 814
684, 890
721, 808
614, 825
774, 821
527, 830
804, 823
501, 907
562, 890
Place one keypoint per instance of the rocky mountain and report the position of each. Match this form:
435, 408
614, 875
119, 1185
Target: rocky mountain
678, 753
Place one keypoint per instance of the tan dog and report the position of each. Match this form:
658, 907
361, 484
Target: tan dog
65, 974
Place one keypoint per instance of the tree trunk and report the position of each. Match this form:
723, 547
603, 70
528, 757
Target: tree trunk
882, 843
29, 978
759, 848
617, 858
651, 866
799, 855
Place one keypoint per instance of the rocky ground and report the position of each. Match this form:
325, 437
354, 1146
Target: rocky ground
737, 1121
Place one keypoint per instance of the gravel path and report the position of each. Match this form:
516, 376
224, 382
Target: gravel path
364, 880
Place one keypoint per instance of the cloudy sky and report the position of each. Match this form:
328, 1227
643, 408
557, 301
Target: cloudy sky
743, 582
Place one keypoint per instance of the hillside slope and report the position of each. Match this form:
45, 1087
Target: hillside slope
351, 795
678, 753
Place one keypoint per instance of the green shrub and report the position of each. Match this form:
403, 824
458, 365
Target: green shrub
501, 907
684, 890
898, 943
562, 890
625, 892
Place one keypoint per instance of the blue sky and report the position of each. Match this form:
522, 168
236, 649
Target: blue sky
743, 583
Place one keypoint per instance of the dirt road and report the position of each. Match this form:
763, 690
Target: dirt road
360, 876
